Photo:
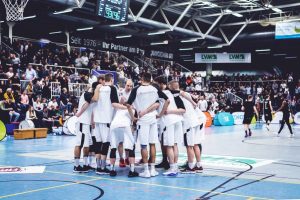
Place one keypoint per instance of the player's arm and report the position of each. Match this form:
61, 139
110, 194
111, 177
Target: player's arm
97, 93
166, 103
187, 97
151, 108
281, 107
180, 107
130, 101
115, 99
88, 99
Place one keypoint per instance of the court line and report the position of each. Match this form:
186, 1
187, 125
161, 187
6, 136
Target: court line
158, 185
48, 188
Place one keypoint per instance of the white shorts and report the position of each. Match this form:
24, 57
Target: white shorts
147, 133
123, 134
101, 132
83, 135
173, 134
193, 136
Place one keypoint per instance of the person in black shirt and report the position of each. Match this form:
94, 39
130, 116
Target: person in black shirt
268, 110
286, 116
249, 108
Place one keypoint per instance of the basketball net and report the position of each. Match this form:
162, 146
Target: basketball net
14, 9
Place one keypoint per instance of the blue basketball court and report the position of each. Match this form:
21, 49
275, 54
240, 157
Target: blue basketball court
262, 167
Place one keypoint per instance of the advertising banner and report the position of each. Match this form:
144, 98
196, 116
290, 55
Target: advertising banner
238, 117
297, 118
287, 30
223, 58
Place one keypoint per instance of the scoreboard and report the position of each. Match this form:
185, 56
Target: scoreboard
113, 9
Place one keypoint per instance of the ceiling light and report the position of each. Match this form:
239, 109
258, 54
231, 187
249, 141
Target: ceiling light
63, 11
190, 40
262, 50
85, 29
186, 49
189, 60
29, 17
215, 47
157, 33
292, 57
57, 32
1, 22
158, 43
123, 36
115, 25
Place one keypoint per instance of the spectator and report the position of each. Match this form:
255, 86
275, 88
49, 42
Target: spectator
24, 101
52, 104
202, 104
10, 73
8, 95
30, 73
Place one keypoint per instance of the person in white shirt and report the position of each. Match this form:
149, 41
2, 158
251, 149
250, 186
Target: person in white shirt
84, 60
83, 131
52, 104
142, 97
248, 90
30, 73
107, 102
124, 95
10, 73
202, 104
121, 134
171, 123
193, 130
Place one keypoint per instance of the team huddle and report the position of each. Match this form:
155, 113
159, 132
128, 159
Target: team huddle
153, 112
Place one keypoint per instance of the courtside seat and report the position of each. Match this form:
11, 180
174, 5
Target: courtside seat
32, 133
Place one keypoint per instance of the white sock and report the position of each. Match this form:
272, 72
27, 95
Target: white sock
132, 167
191, 165
172, 166
85, 160
152, 166
103, 164
76, 160
91, 158
198, 164
146, 168
98, 163
112, 167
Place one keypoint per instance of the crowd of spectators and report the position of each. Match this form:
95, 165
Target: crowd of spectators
27, 72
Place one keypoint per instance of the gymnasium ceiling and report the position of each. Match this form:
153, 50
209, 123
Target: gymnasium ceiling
197, 25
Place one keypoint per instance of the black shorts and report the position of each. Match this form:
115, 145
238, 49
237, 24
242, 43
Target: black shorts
268, 116
247, 119
93, 146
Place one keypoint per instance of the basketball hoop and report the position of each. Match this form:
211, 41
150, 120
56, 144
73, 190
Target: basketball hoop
14, 9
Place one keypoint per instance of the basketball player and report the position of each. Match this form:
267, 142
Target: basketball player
143, 97
192, 130
93, 146
249, 108
268, 110
171, 123
83, 130
103, 115
124, 94
96, 146
286, 116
